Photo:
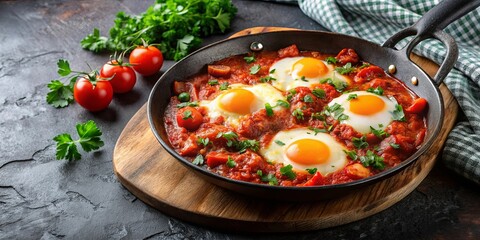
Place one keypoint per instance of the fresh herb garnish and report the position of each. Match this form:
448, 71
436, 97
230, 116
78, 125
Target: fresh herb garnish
377, 90
380, 133
223, 86
203, 141
320, 93
187, 104
269, 109
198, 160
317, 130
360, 142
371, 159
254, 69
346, 69
336, 111
272, 71
288, 172
89, 139
230, 162
250, 59
352, 154
270, 178
279, 142
239, 145
303, 79
338, 84
267, 79
331, 60
308, 99
364, 65
298, 113
311, 170
174, 25
290, 94
187, 114
352, 96
394, 145
213, 82
283, 103
398, 113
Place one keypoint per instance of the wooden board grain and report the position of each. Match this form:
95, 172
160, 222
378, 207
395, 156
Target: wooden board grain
155, 177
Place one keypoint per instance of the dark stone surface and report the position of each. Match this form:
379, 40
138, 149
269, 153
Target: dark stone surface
48, 199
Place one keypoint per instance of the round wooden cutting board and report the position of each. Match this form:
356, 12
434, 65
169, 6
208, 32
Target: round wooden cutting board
155, 177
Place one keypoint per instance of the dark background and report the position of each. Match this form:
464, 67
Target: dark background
48, 199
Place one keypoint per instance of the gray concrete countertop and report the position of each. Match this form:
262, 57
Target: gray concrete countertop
42, 198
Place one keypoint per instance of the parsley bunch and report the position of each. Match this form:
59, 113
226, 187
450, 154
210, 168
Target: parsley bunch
175, 25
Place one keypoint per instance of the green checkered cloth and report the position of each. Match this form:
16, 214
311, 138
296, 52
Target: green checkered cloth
376, 20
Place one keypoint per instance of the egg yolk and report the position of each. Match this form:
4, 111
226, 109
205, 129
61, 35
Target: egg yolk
366, 105
237, 101
308, 151
309, 67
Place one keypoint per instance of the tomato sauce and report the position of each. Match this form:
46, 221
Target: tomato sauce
233, 152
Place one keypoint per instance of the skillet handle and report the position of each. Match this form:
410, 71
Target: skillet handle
430, 26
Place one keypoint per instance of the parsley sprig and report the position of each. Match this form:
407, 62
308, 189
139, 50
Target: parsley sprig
89, 140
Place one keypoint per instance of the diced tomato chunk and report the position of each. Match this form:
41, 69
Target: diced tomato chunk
179, 87
290, 51
417, 106
216, 158
316, 180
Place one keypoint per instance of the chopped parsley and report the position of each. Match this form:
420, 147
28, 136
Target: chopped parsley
250, 59
270, 178
254, 69
187, 114
320, 93
231, 163
290, 94
224, 86
346, 69
288, 172
398, 113
360, 142
371, 159
203, 141
272, 71
282, 103
318, 116
303, 79
394, 145
317, 130
364, 65
240, 145
269, 109
198, 160
279, 142
351, 154
298, 113
380, 133
267, 79
331, 60
336, 110
213, 82
311, 170
308, 99
377, 90
352, 96
338, 84
187, 104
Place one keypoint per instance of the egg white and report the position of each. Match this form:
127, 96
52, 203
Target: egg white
276, 153
287, 79
264, 93
362, 123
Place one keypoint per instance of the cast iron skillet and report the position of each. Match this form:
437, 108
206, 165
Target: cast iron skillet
429, 26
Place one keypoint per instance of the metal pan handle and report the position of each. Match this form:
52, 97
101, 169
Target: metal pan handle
430, 26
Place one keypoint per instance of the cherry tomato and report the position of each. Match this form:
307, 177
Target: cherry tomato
189, 118
90, 97
122, 78
146, 60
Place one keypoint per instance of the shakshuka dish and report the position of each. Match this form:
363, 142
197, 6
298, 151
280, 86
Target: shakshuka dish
295, 118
